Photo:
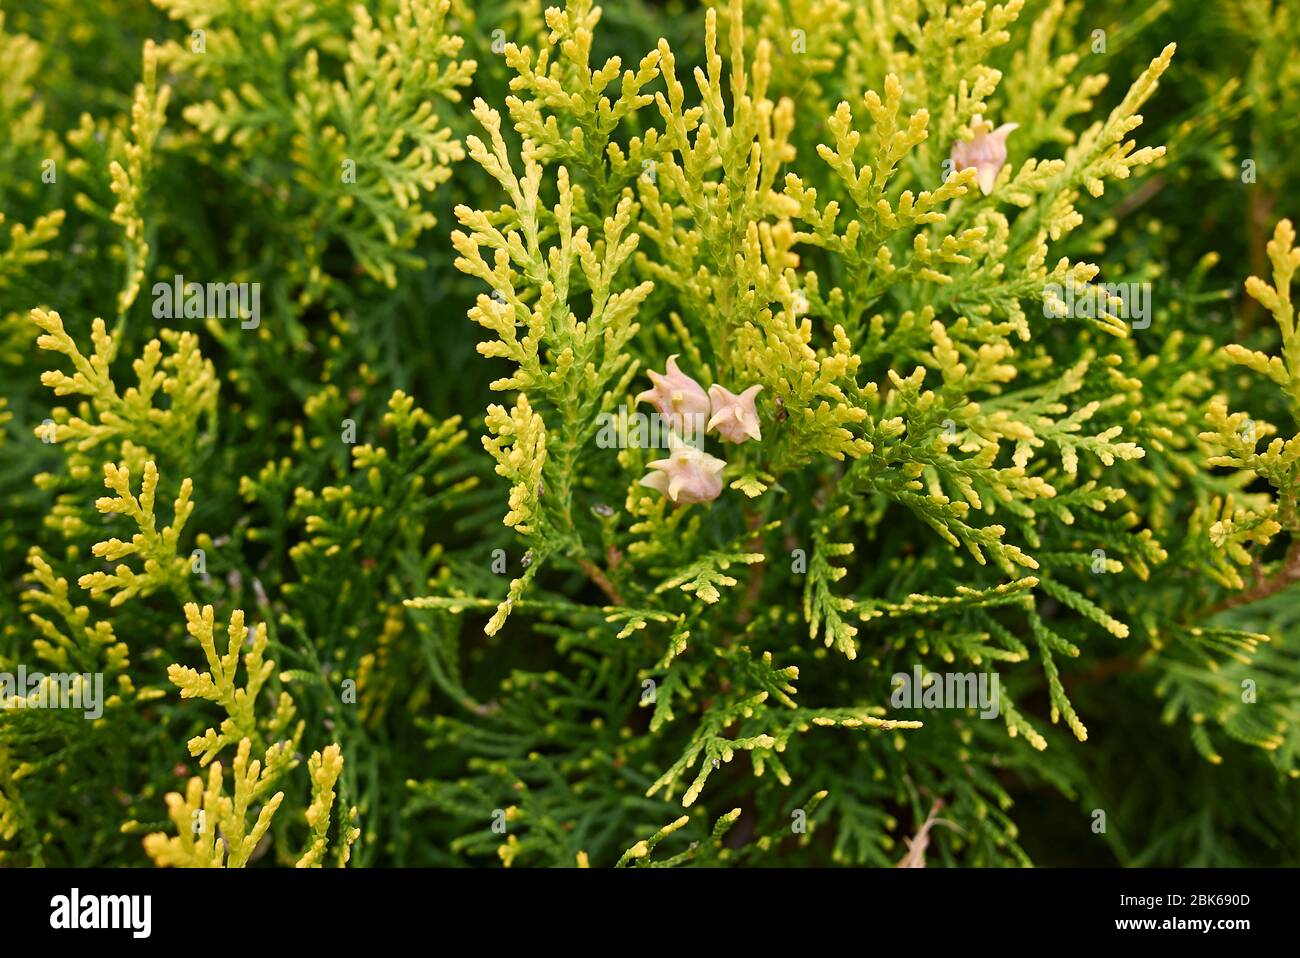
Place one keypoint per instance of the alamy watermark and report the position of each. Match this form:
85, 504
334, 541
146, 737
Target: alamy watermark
75, 911
53, 690
179, 299
948, 690
637, 430
1129, 301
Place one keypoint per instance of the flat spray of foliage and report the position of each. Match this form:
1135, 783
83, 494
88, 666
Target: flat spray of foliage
989, 397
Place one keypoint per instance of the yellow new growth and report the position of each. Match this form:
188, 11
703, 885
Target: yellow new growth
212, 829
157, 549
324, 768
148, 114
218, 684
519, 447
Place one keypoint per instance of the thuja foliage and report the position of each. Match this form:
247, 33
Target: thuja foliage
821, 345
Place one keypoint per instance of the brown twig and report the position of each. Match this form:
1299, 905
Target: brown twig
597, 575
916, 847
1259, 216
1139, 196
1263, 588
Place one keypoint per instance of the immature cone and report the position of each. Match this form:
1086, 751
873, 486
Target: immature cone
679, 398
734, 417
986, 152
687, 475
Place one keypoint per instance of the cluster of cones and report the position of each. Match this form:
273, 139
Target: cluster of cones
689, 474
